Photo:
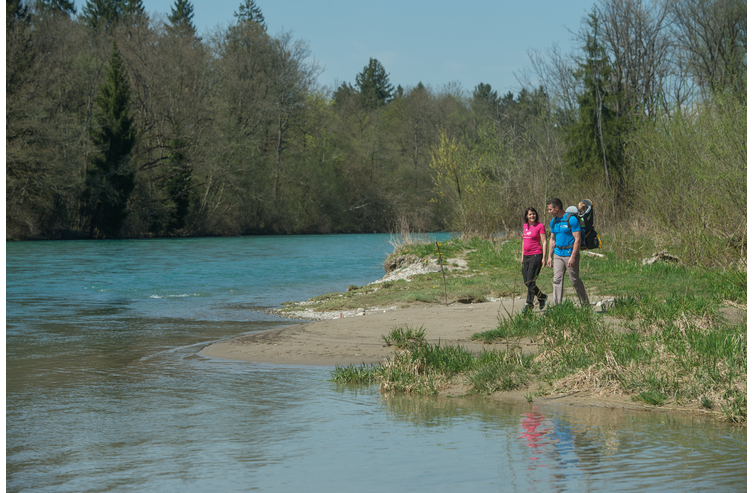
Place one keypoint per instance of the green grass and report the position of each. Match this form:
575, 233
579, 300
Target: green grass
676, 348
448, 360
350, 374
501, 370
494, 271
651, 397
677, 354
404, 338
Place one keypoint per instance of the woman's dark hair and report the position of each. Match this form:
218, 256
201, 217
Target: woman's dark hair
525, 216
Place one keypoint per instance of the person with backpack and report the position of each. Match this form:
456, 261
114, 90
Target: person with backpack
564, 251
532, 258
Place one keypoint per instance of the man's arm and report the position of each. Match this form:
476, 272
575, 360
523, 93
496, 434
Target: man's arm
576, 248
551, 250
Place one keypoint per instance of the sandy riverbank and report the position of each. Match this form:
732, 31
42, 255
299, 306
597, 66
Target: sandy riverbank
358, 339
355, 340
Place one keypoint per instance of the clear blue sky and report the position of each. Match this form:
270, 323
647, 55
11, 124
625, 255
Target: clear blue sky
434, 42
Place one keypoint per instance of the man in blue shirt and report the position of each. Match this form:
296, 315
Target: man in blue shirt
564, 252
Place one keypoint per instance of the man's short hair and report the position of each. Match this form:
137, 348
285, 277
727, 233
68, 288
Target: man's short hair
555, 203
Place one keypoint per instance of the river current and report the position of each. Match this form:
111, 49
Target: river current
106, 390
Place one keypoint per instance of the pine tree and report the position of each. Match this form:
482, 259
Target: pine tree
66, 6
15, 11
250, 12
102, 15
110, 178
374, 85
595, 139
181, 18
486, 103
132, 8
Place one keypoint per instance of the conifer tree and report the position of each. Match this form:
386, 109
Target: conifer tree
250, 12
101, 15
181, 18
486, 102
110, 178
374, 85
595, 138
15, 10
66, 6
133, 8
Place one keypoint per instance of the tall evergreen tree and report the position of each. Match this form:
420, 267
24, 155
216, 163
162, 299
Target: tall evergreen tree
181, 18
15, 10
486, 103
250, 12
66, 6
133, 7
374, 85
110, 177
101, 15
595, 139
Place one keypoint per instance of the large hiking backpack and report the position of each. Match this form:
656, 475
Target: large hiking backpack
589, 237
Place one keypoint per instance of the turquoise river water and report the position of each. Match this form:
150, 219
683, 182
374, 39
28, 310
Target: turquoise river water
106, 391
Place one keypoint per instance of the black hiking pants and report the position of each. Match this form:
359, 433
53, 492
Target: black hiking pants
531, 270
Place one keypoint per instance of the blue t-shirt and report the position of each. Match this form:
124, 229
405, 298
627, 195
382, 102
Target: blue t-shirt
563, 234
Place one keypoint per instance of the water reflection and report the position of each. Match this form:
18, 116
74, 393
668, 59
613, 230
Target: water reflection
573, 449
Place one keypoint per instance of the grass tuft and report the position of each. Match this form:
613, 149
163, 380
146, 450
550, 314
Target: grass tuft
405, 338
350, 374
651, 397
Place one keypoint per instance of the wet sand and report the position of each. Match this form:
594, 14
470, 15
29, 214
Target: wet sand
355, 340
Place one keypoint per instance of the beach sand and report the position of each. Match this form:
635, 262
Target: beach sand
356, 340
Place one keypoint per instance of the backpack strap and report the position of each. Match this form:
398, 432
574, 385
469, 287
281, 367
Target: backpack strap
565, 219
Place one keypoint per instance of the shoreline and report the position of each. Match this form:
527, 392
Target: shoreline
355, 340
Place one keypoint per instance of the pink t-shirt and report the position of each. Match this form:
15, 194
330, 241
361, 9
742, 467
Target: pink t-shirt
532, 238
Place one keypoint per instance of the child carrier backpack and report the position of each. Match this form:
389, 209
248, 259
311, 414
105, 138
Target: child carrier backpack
589, 237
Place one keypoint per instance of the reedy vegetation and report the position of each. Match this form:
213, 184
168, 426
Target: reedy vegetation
234, 136
676, 352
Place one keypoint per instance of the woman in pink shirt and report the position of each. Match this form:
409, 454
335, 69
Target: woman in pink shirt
534, 246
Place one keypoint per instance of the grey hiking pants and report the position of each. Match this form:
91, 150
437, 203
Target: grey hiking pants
559, 265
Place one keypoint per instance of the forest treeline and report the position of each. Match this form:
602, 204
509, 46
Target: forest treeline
120, 125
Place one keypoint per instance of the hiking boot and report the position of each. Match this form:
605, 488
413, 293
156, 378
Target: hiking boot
542, 302
528, 309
